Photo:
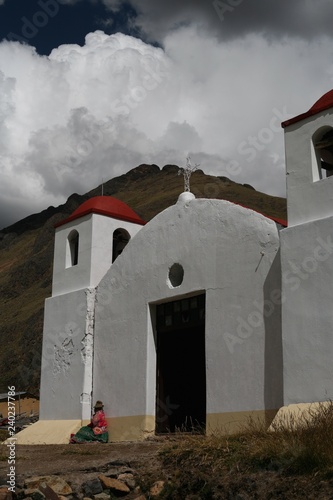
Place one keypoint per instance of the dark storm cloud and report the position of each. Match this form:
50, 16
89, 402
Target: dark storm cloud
235, 18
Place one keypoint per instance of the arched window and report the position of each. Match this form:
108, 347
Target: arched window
72, 256
120, 239
322, 141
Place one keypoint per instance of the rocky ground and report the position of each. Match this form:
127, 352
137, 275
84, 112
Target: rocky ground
80, 465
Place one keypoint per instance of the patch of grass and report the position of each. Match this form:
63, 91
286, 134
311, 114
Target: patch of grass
291, 446
304, 444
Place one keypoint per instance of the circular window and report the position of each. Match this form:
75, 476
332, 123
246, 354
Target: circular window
176, 275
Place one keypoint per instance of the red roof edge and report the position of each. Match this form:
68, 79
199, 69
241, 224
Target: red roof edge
301, 117
100, 212
325, 102
282, 222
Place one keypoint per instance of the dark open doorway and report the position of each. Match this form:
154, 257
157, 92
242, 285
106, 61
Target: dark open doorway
181, 366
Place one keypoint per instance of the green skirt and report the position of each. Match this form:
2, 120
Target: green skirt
86, 435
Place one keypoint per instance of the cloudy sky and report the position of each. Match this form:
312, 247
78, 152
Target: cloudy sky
92, 88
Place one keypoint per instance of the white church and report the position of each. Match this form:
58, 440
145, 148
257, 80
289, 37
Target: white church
208, 314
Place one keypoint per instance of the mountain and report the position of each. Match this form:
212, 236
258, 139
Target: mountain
26, 255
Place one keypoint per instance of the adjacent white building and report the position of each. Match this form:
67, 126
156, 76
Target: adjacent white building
307, 256
205, 315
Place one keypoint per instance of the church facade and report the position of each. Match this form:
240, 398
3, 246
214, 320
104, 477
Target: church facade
200, 318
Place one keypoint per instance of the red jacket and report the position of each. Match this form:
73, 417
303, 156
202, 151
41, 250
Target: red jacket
99, 420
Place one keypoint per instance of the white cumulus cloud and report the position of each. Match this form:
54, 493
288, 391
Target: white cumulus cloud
88, 113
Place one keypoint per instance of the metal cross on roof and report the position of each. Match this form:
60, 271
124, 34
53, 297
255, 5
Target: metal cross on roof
187, 172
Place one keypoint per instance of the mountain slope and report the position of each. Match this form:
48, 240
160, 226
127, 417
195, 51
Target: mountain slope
26, 255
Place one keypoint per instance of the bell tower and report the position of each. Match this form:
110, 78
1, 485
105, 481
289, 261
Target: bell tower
307, 256
86, 245
89, 241
309, 162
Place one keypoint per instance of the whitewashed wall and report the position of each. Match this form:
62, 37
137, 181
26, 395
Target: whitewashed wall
63, 364
307, 270
232, 254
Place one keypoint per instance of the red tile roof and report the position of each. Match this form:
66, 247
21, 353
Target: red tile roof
325, 102
104, 205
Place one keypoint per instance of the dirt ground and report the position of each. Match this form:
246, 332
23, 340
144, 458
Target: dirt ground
78, 463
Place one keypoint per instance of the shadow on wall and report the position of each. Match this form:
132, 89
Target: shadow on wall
273, 371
